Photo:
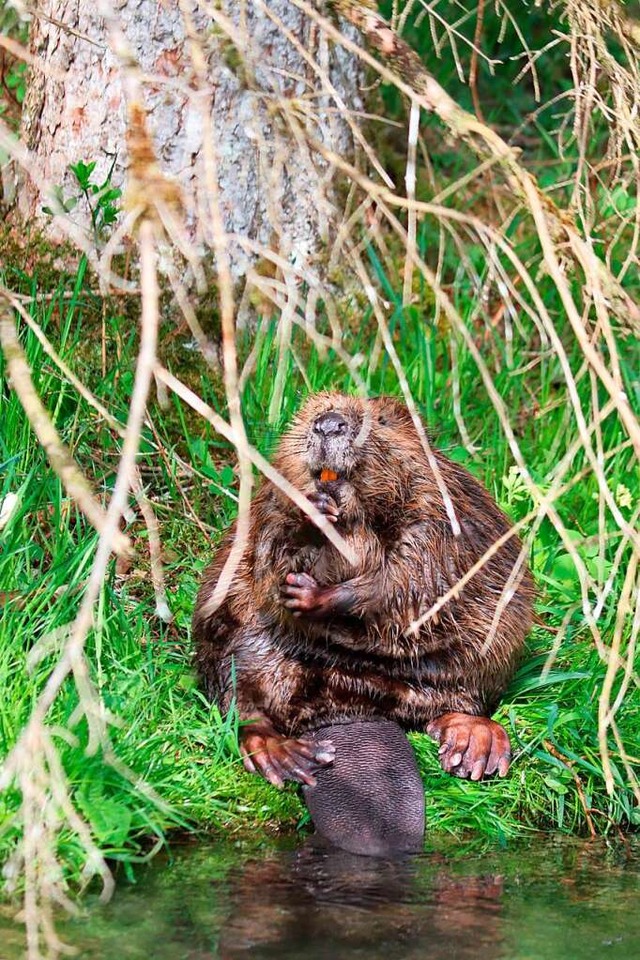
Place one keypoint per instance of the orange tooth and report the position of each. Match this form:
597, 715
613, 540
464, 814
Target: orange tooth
326, 475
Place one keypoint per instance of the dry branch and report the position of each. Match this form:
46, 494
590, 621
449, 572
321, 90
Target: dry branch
73, 480
155, 207
413, 79
33, 763
226, 431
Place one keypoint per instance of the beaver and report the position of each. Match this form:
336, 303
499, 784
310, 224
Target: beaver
306, 638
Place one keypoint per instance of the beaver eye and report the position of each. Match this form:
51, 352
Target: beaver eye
383, 421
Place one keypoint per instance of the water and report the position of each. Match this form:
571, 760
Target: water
560, 899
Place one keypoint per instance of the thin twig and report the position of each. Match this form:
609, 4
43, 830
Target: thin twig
73, 480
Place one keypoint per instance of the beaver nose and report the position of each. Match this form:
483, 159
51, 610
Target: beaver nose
330, 425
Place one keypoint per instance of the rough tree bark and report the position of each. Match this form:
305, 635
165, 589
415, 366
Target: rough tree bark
274, 190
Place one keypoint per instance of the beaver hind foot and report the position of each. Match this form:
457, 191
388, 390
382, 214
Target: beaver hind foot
370, 801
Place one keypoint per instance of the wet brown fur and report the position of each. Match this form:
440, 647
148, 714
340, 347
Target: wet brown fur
303, 673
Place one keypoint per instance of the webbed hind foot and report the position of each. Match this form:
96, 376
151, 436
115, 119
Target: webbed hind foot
278, 758
471, 747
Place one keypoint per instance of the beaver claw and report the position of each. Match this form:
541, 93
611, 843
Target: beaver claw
278, 758
325, 504
303, 597
301, 594
471, 747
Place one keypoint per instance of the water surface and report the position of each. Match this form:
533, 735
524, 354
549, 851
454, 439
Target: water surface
559, 899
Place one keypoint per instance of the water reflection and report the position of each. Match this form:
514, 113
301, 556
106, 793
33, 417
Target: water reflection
553, 899
320, 903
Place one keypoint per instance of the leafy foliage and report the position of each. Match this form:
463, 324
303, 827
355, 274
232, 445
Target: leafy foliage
100, 198
163, 730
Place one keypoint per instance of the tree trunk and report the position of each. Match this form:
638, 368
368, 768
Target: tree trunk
274, 189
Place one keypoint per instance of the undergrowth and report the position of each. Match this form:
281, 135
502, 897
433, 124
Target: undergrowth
162, 727
164, 730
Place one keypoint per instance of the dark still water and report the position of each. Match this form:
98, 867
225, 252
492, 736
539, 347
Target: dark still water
558, 899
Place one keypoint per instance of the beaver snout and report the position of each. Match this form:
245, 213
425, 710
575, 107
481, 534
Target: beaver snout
330, 445
330, 425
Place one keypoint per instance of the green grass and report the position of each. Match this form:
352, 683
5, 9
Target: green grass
164, 730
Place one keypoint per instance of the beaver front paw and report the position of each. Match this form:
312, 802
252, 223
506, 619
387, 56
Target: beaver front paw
302, 595
278, 758
472, 747
325, 504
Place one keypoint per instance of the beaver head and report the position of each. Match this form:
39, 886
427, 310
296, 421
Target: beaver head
366, 453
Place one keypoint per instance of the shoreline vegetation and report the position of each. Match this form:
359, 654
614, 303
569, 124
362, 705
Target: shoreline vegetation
163, 730
496, 286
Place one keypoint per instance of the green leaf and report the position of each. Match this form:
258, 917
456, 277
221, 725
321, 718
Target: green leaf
459, 454
227, 476
564, 569
619, 201
82, 172
109, 819
527, 684
555, 785
106, 196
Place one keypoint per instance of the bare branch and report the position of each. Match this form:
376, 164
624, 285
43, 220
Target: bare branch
71, 477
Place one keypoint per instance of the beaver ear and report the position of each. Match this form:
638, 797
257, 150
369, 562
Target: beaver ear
392, 411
